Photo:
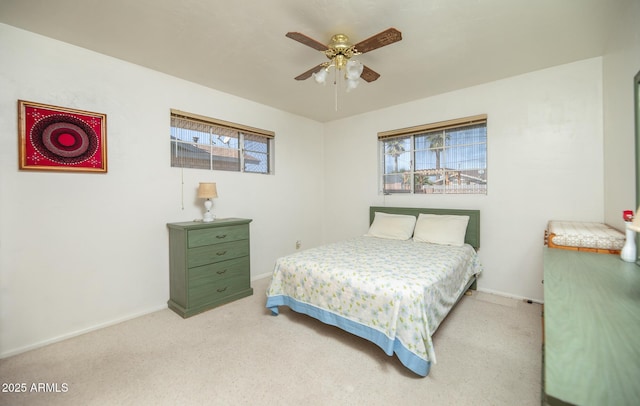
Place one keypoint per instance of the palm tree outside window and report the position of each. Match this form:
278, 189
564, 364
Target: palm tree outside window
445, 157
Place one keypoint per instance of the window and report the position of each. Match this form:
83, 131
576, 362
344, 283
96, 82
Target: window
444, 157
205, 143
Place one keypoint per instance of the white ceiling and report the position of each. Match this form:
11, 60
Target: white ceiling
239, 46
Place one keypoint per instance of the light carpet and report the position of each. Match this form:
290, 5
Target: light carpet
489, 353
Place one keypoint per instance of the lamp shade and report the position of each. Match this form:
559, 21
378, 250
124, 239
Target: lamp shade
207, 190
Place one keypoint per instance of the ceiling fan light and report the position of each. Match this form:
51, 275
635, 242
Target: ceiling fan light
320, 76
352, 84
354, 70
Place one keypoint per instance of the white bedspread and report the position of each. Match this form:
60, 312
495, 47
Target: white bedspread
393, 293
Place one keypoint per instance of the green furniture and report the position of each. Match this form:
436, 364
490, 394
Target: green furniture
591, 329
209, 264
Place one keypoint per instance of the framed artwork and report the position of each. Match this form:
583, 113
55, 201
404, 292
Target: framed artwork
61, 139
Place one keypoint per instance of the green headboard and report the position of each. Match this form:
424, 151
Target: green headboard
473, 228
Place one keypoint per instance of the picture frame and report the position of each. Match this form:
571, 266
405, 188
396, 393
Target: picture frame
53, 138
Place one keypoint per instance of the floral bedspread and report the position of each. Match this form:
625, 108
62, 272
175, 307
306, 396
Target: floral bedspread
393, 293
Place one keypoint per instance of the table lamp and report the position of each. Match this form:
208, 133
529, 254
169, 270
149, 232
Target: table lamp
207, 191
632, 223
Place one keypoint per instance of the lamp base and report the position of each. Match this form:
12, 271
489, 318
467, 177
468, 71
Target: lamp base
628, 252
208, 216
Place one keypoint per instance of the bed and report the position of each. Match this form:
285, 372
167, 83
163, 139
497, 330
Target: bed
583, 236
388, 289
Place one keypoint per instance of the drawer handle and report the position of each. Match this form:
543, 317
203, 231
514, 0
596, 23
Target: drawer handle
222, 290
221, 236
221, 272
221, 253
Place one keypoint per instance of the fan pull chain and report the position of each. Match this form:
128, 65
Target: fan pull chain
335, 88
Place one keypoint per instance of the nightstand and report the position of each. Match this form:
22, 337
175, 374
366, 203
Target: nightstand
209, 264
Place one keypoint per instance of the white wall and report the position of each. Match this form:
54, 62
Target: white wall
545, 161
78, 251
621, 63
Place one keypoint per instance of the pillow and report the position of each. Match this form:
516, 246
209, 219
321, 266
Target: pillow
392, 226
441, 229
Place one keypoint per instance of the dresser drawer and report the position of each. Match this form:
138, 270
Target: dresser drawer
218, 235
217, 253
211, 283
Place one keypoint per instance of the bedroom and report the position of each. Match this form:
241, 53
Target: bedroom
78, 252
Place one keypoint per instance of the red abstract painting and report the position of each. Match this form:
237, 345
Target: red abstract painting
61, 139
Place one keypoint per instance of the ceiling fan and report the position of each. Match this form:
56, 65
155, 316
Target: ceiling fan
340, 51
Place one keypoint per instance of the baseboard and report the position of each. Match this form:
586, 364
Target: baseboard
509, 295
63, 337
261, 276
152, 310
79, 332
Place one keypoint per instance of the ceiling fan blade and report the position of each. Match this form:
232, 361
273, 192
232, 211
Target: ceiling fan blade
308, 73
310, 42
369, 75
379, 40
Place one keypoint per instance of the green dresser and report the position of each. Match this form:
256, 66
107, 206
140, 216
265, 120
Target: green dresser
591, 329
209, 264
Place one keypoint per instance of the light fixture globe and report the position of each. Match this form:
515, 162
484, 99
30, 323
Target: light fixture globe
354, 70
320, 76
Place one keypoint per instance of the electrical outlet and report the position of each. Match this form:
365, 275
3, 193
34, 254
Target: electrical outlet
298, 244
